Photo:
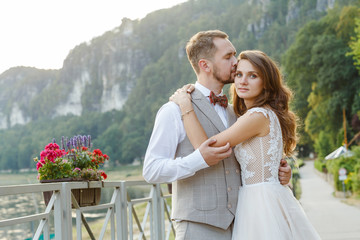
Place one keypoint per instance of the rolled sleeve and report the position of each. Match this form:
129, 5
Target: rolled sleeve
160, 164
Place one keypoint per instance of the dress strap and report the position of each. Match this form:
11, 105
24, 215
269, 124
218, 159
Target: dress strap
259, 110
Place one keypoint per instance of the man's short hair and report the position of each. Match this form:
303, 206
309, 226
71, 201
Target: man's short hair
201, 45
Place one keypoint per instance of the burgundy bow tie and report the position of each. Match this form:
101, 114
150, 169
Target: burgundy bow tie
222, 100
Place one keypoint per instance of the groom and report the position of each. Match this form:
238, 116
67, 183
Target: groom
206, 180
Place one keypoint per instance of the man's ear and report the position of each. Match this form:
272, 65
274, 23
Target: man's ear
205, 65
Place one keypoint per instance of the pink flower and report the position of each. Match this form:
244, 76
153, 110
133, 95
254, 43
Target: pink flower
38, 165
52, 146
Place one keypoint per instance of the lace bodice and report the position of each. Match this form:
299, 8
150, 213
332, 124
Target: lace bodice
259, 157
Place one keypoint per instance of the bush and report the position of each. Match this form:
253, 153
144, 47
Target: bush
324, 144
320, 165
300, 162
355, 182
354, 177
352, 166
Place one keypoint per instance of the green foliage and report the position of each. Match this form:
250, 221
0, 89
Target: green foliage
324, 144
320, 165
20, 144
317, 75
351, 164
353, 180
56, 170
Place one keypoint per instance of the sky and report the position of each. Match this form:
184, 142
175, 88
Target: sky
40, 33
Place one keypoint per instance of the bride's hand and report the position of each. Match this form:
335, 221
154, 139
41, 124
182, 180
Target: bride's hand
182, 96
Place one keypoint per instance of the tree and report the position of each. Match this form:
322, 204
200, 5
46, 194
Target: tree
317, 69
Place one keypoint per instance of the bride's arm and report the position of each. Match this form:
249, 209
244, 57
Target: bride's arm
194, 130
247, 126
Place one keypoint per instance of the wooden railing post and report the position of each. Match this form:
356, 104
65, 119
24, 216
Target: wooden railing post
66, 205
158, 214
58, 220
116, 198
123, 211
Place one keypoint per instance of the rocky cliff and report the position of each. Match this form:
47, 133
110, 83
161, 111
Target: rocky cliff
98, 76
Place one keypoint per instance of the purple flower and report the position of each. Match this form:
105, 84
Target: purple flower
84, 140
68, 144
74, 142
89, 139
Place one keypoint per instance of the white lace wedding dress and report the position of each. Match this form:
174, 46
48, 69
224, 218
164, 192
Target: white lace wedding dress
266, 209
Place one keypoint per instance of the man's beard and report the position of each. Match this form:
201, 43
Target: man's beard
230, 79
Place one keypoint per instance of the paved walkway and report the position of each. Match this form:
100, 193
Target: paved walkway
332, 219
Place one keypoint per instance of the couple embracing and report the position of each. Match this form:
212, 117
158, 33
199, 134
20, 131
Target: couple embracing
199, 143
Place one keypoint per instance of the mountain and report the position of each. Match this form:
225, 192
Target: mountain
125, 75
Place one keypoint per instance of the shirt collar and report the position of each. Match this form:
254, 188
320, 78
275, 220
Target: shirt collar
205, 91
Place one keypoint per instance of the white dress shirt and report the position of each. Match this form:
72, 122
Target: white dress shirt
160, 164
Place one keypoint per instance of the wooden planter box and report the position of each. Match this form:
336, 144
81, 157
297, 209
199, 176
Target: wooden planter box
85, 196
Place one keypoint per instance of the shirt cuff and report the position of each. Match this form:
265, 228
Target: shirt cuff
197, 161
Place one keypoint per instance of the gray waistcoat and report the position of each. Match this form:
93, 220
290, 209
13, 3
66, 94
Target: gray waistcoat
210, 196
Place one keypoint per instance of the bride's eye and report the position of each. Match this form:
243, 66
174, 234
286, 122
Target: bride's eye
238, 75
253, 76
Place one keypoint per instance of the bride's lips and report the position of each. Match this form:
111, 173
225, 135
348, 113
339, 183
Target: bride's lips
243, 89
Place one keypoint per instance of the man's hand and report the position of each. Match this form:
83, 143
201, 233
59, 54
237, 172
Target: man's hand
284, 172
213, 155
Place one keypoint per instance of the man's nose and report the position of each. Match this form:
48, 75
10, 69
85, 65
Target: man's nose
234, 60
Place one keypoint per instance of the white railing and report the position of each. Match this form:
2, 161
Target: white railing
120, 213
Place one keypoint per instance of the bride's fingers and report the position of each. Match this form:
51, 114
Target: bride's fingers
185, 87
191, 88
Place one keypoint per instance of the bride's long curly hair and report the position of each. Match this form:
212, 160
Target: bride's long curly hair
275, 95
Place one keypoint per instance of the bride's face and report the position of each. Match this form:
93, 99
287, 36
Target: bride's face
248, 83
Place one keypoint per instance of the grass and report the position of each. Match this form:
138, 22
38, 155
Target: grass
18, 178
126, 172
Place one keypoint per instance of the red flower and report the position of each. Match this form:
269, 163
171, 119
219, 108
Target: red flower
97, 152
103, 174
84, 149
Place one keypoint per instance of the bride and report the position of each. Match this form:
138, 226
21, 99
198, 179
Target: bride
264, 132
